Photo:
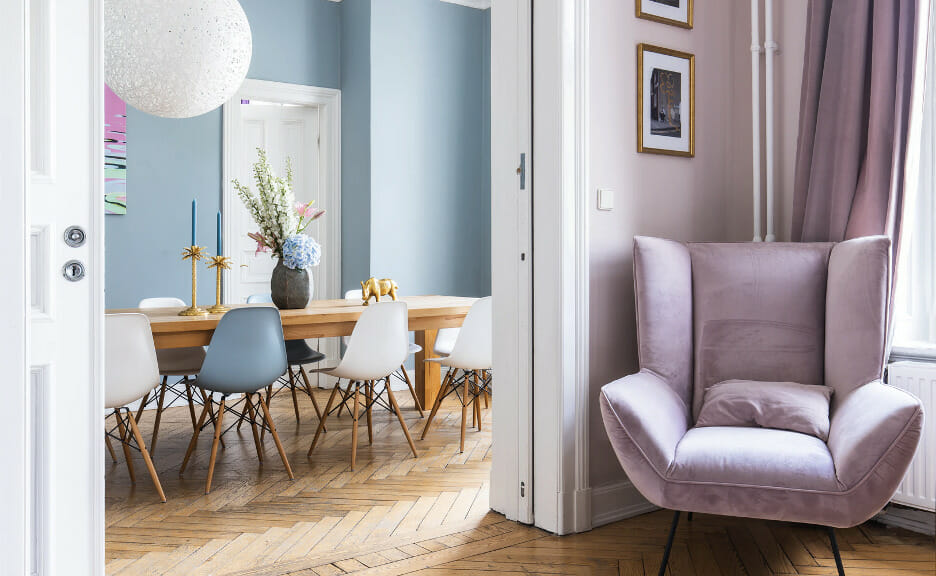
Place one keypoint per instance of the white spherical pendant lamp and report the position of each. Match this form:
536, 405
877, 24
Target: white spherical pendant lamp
176, 58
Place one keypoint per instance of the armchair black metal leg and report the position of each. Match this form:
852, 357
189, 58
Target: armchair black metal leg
689, 516
669, 543
835, 551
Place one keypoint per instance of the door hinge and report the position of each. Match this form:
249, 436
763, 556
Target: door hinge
521, 171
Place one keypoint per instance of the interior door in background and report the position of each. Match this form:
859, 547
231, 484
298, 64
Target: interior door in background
284, 131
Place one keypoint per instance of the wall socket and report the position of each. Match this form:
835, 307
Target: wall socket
605, 199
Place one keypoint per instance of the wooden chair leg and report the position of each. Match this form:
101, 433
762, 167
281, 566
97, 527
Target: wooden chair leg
214, 444
143, 402
396, 409
276, 439
477, 400
110, 448
354, 426
308, 386
191, 401
208, 399
412, 390
146, 458
369, 397
438, 402
243, 415
253, 426
292, 389
321, 426
194, 440
159, 411
124, 442
464, 419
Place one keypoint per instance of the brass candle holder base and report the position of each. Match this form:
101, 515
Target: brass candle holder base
194, 311
219, 263
194, 253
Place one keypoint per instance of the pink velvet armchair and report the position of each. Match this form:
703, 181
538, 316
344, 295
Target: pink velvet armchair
803, 313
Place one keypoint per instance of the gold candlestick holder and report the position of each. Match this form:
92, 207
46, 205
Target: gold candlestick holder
219, 263
194, 253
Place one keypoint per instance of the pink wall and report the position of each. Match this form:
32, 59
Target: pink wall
704, 198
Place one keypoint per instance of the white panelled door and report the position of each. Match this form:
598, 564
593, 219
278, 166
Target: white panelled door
284, 132
65, 217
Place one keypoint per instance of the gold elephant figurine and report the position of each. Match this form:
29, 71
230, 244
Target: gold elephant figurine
377, 288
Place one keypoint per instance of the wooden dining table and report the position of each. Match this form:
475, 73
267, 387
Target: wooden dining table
324, 319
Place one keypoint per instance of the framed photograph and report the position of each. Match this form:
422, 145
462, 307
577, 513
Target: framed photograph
665, 101
673, 12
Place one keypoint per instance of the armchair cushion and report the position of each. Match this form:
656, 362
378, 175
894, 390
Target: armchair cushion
799, 408
754, 457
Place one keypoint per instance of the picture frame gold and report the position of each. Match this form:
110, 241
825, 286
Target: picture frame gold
687, 24
642, 94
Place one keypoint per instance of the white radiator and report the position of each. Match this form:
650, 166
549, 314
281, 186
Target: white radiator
918, 488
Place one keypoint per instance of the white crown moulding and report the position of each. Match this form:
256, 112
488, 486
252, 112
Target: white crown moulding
478, 4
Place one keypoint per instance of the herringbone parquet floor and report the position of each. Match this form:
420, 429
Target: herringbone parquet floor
428, 516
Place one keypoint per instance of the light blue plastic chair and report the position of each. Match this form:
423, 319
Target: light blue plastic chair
298, 354
246, 354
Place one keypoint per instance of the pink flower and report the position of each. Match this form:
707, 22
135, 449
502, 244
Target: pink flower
262, 245
307, 211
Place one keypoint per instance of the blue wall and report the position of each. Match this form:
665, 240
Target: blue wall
430, 147
171, 161
355, 142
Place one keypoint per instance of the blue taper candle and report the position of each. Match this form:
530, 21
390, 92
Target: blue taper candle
194, 220
220, 253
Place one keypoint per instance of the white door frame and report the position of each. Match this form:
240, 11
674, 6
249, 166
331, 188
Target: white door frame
562, 498
13, 290
542, 412
328, 101
22, 541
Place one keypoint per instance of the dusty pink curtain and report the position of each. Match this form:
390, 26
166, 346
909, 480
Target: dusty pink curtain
854, 119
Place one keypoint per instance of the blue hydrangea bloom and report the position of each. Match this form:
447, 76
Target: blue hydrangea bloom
300, 252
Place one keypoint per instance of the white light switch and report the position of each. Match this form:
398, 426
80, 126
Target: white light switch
605, 199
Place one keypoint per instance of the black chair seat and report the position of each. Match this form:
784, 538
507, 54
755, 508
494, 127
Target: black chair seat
298, 352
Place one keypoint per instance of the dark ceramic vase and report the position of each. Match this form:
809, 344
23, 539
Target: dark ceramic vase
291, 289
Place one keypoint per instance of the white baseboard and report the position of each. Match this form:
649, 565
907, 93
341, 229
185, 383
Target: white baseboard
583, 510
617, 501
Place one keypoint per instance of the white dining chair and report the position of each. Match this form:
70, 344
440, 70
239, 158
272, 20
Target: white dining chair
401, 373
377, 346
469, 366
445, 341
180, 364
130, 371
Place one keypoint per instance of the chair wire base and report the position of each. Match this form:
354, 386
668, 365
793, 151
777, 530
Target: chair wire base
255, 412
351, 400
